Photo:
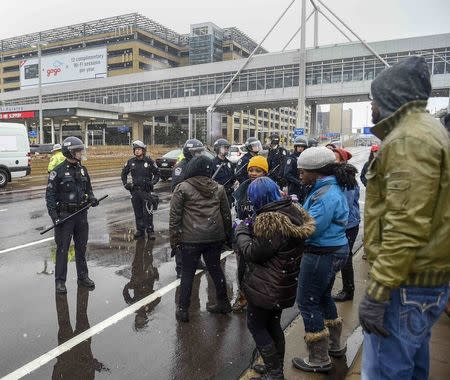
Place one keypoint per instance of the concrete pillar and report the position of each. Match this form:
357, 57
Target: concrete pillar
313, 121
256, 122
241, 127
52, 128
137, 130
152, 137
60, 133
86, 133
104, 136
230, 129
166, 120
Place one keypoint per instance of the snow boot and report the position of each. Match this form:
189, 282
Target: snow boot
336, 350
240, 303
182, 315
318, 359
272, 363
221, 307
281, 348
60, 287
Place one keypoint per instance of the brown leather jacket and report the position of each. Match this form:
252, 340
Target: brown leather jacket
199, 212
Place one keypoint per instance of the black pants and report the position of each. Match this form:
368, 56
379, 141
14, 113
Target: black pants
348, 283
78, 228
265, 327
141, 208
191, 254
240, 268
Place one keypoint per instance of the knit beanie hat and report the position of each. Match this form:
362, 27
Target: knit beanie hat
343, 153
316, 158
199, 166
258, 162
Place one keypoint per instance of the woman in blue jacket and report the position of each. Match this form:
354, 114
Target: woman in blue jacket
325, 254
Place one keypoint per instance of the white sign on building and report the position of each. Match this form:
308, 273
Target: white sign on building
66, 67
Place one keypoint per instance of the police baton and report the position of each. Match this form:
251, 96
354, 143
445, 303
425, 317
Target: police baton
275, 168
72, 215
235, 174
217, 171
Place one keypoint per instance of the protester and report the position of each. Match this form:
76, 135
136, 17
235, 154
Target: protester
325, 253
272, 245
406, 226
257, 167
373, 153
352, 229
199, 224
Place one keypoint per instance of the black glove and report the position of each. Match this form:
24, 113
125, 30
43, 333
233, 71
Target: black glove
371, 316
128, 186
93, 201
55, 219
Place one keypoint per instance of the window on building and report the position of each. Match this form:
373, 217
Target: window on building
11, 79
10, 69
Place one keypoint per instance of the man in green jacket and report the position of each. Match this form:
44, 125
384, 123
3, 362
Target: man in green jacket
407, 226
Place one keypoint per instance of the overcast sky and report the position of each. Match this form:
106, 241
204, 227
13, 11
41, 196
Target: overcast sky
373, 20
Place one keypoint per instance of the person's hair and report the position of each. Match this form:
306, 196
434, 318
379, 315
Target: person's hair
345, 174
199, 166
263, 191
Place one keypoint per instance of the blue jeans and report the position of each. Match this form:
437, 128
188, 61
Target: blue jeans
409, 318
316, 279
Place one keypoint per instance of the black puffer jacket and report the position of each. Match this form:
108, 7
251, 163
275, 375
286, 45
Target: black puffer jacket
273, 252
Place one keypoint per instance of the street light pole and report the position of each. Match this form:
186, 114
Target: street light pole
302, 71
39, 45
189, 91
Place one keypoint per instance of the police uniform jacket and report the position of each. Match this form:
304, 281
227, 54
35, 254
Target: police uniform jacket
69, 188
295, 186
144, 173
178, 173
276, 159
226, 173
241, 167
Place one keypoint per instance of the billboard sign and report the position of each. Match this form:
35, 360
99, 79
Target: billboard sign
65, 67
17, 115
367, 130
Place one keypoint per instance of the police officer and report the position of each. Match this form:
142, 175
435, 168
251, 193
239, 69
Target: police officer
253, 146
69, 189
312, 141
191, 148
223, 168
295, 186
145, 175
277, 158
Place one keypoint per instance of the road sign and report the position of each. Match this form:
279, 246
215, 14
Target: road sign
32, 134
367, 130
299, 132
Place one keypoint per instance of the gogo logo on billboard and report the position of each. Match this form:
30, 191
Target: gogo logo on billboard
54, 71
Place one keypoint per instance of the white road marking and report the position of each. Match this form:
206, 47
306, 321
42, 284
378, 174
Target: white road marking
89, 333
26, 245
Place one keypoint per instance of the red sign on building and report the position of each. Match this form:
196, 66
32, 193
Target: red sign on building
17, 115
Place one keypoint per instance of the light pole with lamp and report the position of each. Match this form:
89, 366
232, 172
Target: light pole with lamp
189, 91
39, 45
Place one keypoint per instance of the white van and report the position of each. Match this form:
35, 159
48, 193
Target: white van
14, 152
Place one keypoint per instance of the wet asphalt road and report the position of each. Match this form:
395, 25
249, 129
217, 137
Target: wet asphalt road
149, 343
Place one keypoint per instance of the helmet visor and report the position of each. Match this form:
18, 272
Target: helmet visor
255, 146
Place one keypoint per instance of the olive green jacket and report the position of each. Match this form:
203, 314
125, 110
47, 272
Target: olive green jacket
407, 210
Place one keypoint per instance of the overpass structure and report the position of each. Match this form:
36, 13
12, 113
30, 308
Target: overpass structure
334, 74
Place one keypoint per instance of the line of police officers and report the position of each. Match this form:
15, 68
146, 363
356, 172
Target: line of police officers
69, 190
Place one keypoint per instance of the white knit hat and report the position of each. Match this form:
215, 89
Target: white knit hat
315, 158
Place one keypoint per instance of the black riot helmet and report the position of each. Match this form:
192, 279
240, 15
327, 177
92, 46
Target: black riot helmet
312, 142
274, 139
300, 141
219, 144
192, 147
71, 145
253, 145
139, 144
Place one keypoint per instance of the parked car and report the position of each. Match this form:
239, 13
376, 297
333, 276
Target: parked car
236, 153
41, 148
14, 152
168, 161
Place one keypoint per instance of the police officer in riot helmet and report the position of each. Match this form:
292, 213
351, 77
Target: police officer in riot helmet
276, 157
191, 148
223, 168
295, 186
144, 176
253, 146
312, 141
69, 190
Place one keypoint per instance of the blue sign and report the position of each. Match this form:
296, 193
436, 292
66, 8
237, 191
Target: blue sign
299, 132
367, 130
123, 129
332, 134
32, 134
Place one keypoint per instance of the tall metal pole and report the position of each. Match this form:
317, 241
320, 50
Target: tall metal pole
302, 71
316, 28
41, 119
189, 123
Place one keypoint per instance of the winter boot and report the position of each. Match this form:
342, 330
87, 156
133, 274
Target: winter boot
318, 359
182, 315
60, 287
343, 295
240, 303
138, 234
336, 350
272, 363
221, 307
281, 348
86, 282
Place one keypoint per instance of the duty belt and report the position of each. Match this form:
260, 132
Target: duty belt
70, 207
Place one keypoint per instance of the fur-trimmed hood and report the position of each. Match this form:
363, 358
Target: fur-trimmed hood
283, 217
